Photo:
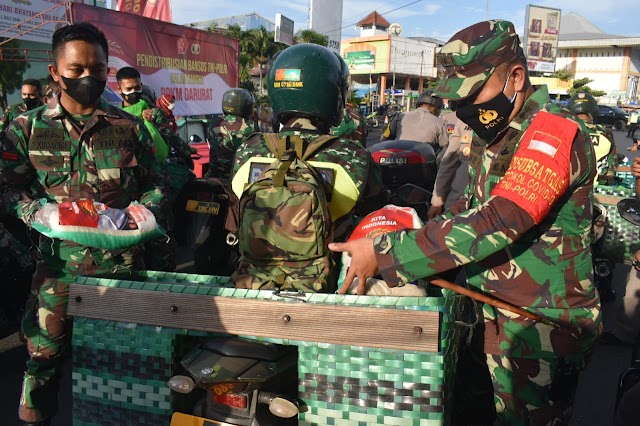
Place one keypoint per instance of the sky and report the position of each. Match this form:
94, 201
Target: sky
439, 19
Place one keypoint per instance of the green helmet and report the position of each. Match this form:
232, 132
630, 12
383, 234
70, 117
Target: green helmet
238, 102
583, 103
306, 80
428, 97
344, 68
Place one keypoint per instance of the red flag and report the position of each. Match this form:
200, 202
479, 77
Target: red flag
154, 9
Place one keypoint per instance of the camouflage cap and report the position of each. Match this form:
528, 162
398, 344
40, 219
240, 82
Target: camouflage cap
471, 55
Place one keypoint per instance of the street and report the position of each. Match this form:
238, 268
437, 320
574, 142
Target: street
594, 401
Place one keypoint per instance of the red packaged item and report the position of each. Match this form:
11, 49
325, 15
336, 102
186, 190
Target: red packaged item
78, 213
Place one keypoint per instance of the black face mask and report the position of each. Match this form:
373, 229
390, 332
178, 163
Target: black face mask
86, 90
488, 118
133, 97
31, 103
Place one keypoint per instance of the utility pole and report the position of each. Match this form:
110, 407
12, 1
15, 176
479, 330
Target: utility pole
486, 10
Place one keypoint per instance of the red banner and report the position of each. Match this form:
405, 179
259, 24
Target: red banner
154, 9
193, 65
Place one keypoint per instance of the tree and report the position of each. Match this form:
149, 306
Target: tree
245, 60
563, 75
310, 36
580, 85
262, 48
12, 69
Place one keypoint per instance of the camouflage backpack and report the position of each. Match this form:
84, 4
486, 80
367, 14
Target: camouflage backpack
285, 224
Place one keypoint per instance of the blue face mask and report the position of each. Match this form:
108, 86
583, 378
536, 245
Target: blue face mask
488, 118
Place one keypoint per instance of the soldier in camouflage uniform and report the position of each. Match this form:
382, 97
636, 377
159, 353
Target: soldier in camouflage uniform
31, 98
230, 131
585, 107
521, 231
309, 113
77, 147
351, 127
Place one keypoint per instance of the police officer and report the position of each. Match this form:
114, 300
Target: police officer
453, 174
230, 130
307, 108
421, 124
31, 98
77, 147
521, 231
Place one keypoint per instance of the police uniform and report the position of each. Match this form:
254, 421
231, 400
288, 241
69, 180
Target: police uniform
522, 233
419, 125
453, 173
50, 156
226, 136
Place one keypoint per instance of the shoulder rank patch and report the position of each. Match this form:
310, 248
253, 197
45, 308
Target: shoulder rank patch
539, 171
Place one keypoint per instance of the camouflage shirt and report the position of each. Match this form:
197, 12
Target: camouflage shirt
351, 127
351, 155
110, 159
522, 232
226, 136
10, 114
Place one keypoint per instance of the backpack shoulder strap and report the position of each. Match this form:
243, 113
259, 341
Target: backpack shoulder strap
273, 141
318, 143
279, 145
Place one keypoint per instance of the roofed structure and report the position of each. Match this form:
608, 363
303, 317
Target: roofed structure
578, 31
374, 19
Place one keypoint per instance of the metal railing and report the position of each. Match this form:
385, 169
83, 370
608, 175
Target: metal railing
36, 21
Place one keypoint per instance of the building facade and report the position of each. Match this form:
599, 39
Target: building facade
396, 68
611, 61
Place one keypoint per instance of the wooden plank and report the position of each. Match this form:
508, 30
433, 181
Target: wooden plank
607, 199
337, 324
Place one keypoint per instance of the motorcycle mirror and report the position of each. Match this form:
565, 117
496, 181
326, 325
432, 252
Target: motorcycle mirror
629, 209
181, 384
283, 408
413, 194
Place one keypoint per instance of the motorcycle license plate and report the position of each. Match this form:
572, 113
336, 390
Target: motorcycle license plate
181, 419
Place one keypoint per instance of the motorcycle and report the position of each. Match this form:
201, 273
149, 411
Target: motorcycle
204, 216
407, 162
374, 120
629, 209
244, 382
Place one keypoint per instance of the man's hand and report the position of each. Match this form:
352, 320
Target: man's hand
635, 167
636, 260
434, 211
363, 263
147, 113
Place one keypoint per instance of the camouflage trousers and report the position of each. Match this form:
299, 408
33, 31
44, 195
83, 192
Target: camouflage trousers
46, 324
532, 392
